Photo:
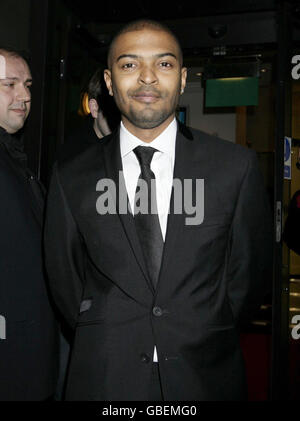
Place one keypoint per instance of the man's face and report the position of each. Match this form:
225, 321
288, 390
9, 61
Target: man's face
146, 78
15, 94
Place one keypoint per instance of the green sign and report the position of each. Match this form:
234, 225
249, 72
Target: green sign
231, 92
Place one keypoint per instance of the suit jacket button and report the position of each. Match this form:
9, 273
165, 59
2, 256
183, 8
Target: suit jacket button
157, 311
145, 358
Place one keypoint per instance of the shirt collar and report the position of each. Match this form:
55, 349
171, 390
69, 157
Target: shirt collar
165, 142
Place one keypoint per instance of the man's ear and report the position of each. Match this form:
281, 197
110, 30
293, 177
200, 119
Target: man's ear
108, 81
94, 108
183, 79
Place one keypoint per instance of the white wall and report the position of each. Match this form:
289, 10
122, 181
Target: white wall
221, 125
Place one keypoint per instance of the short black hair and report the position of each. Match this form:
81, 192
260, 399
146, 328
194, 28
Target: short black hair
96, 85
97, 90
12, 52
139, 25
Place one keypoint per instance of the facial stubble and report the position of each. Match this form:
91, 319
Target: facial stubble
148, 117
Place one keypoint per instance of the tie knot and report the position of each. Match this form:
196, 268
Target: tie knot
144, 155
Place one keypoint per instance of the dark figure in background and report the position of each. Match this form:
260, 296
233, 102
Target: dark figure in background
103, 108
29, 332
156, 300
104, 118
291, 232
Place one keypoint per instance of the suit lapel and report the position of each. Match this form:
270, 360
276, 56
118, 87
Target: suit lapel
113, 164
182, 170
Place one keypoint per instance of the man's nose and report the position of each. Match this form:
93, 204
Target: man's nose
23, 93
148, 75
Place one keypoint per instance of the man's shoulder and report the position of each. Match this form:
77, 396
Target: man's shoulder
72, 162
77, 142
88, 159
210, 144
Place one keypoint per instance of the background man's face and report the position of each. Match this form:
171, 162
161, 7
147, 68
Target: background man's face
101, 126
146, 78
15, 94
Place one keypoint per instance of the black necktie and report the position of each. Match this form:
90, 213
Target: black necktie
147, 224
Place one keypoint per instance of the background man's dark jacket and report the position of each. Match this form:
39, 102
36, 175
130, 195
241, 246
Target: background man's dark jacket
212, 277
29, 354
291, 233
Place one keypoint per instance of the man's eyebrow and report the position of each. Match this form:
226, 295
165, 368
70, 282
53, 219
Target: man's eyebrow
127, 56
135, 56
167, 54
16, 78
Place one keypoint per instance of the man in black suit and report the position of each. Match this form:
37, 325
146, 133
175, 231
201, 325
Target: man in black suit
156, 298
28, 339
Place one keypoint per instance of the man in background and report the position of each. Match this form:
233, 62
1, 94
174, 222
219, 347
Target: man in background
103, 109
104, 118
29, 332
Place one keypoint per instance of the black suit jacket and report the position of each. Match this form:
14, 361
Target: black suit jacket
28, 348
213, 276
79, 141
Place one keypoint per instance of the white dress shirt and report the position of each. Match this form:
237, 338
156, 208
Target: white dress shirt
162, 165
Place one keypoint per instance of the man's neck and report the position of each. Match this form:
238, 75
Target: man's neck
98, 132
147, 135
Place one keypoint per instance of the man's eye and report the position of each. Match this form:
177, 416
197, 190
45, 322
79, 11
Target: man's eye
165, 64
128, 66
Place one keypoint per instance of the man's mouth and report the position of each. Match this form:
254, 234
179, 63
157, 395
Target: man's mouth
20, 111
147, 97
